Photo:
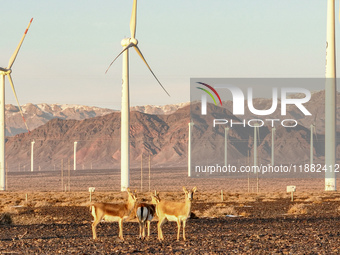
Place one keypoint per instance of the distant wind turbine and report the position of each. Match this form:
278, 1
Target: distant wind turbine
273, 147
256, 136
312, 132
226, 133
125, 111
7, 72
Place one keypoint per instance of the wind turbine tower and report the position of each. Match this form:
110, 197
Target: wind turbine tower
311, 152
7, 72
330, 100
125, 110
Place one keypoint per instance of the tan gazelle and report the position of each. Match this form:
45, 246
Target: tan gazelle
113, 212
173, 211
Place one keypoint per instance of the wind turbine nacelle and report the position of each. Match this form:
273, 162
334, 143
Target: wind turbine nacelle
127, 41
5, 71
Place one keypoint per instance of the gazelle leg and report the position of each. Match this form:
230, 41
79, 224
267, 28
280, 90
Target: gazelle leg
159, 227
144, 223
140, 230
94, 226
184, 222
178, 228
121, 229
148, 223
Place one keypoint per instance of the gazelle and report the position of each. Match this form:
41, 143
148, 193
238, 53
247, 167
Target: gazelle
145, 213
173, 211
113, 212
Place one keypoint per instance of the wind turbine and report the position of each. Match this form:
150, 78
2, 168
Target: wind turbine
330, 100
226, 134
256, 136
125, 111
312, 132
273, 147
7, 72
191, 124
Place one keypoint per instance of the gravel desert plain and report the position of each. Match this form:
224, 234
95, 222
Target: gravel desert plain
37, 217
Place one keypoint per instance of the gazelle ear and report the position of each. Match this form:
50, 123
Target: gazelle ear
128, 189
185, 189
194, 189
155, 198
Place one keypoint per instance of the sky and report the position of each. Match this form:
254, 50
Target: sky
71, 43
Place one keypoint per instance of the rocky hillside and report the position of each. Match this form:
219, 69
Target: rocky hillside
164, 137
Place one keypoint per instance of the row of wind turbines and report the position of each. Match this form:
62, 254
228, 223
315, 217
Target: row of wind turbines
257, 141
128, 43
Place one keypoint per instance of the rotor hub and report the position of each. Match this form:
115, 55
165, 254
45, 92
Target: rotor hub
134, 41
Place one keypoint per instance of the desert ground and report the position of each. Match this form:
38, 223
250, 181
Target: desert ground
39, 217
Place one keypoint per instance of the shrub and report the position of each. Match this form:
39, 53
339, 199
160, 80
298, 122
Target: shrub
219, 211
298, 209
5, 219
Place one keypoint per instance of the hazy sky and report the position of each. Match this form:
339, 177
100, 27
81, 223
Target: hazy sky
71, 43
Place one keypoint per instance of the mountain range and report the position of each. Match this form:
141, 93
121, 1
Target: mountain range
39, 114
161, 134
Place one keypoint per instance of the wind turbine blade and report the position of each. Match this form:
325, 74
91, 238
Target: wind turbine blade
141, 55
16, 98
118, 56
316, 134
314, 124
12, 59
133, 19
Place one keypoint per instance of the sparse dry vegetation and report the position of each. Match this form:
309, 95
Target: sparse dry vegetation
298, 209
314, 199
5, 219
244, 214
217, 211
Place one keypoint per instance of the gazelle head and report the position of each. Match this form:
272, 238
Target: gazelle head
132, 196
155, 198
189, 194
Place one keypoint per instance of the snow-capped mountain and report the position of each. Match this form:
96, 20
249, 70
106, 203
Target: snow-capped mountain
39, 114
155, 109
